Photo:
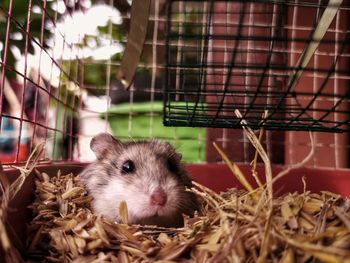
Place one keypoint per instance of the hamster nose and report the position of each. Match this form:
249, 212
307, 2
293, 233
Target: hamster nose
158, 197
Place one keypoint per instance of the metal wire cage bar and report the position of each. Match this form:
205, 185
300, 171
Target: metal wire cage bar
278, 57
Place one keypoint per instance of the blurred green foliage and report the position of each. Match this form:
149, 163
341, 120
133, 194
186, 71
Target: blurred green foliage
18, 23
17, 19
95, 71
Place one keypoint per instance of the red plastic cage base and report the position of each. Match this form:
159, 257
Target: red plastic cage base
218, 177
215, 176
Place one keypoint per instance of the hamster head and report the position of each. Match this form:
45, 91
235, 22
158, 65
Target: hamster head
147, 175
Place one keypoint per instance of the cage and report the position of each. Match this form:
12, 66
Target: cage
283, 64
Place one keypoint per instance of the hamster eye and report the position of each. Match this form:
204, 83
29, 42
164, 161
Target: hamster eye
172, 166
128, 167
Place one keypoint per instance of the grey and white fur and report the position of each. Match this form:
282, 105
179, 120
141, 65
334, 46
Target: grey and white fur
147, 175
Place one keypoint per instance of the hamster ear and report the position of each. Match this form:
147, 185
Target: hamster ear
178, 156
104, 145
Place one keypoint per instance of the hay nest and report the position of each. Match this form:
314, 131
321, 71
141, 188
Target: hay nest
248, 225
232, 228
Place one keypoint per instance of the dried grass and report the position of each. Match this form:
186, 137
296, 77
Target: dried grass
8, 193
235, 226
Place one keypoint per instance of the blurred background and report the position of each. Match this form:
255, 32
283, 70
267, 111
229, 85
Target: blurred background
60, 59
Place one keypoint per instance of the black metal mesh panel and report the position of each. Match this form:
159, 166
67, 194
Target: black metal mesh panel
253, 56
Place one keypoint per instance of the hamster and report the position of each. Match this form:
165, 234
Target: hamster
147, 175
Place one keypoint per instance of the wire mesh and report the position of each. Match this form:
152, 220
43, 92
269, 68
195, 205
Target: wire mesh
253, 56
58, 84
58, 93
39, 92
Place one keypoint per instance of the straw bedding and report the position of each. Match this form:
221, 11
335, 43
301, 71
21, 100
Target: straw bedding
230, 228
250, 225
